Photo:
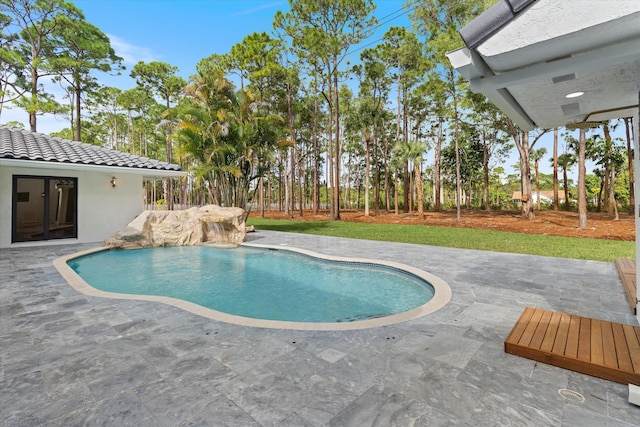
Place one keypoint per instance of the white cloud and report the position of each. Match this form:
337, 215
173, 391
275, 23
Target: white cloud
259, 8
130, 53
47, 123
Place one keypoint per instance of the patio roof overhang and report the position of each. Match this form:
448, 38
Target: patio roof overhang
553, 63
526, 56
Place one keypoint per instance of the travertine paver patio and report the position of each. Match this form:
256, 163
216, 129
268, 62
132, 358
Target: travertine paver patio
69, 359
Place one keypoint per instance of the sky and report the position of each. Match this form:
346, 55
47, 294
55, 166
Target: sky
182, 32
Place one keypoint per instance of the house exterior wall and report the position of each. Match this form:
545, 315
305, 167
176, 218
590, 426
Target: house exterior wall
102, 209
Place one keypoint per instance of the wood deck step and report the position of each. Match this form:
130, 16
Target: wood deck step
594, 347
627, 271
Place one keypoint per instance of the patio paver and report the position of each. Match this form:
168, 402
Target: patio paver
70, 359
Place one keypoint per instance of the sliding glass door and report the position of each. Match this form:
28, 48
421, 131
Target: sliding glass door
44, 208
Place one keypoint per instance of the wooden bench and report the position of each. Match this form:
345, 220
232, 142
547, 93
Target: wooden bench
594, 347
627, 271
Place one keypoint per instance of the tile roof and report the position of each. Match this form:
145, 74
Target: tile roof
494, 18
20, 144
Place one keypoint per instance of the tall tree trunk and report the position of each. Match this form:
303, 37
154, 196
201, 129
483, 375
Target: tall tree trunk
34, 96
301, 181
395, 193
288, 189
632, 197
293, 150
485, 168
169, 160
405, 186
261, 196
405, 138
582, 171
565, 182
3, 90
337, 139
346, 194
330, 158
612, 208
398, 127
612, 194
437, 162
377, 175
411, 186
387, 173
610, 172
282, 182
556, 206
458, 175
269, 191
419, 192
78, 132
536, 164
72, 108
605, 190
600, 191
316, 155
522, 143
367, 141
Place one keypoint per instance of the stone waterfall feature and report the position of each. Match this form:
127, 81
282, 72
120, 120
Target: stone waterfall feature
208, 224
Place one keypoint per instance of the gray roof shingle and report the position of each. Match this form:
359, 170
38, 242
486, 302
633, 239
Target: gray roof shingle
22, 144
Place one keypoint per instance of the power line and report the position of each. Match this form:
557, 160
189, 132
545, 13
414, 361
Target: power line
363, 47
409, 9
380, 24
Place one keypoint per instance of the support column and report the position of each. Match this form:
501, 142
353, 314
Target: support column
636, 191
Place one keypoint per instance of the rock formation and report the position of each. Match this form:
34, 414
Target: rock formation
196, 226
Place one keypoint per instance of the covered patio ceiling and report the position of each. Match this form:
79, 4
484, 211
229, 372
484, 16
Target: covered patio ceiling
548, 63
552, 63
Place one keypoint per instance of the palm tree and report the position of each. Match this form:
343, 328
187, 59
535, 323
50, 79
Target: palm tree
227, 137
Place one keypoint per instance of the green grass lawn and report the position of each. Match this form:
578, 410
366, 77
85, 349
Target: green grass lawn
467, 238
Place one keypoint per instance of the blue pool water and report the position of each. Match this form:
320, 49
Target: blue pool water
257, 282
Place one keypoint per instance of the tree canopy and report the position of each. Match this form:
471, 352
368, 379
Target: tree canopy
294, 119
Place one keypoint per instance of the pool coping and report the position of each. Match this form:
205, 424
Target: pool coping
442, 295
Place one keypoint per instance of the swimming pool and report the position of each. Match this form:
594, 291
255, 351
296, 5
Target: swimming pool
262, 286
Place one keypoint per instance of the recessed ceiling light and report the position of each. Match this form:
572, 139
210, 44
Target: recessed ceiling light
574, 94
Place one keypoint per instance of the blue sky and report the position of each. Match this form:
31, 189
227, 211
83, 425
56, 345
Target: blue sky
179, 32
182, 32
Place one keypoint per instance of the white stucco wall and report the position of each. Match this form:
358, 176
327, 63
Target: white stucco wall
102, 209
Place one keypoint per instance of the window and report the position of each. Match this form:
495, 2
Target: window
44, 208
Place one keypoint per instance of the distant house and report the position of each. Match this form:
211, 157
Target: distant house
546, 196
55, 191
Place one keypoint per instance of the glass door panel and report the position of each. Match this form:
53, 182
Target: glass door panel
62, 208
44, 208
29, 217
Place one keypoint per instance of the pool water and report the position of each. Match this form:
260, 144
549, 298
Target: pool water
257, 283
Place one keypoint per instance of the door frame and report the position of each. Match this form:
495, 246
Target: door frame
46, 234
